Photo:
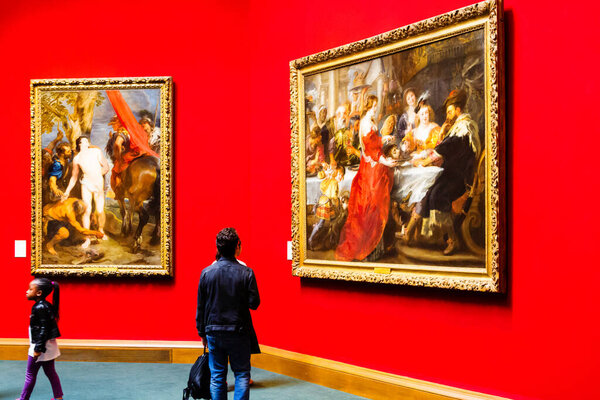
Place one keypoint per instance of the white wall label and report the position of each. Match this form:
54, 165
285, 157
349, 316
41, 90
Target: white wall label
20, 248
289, 250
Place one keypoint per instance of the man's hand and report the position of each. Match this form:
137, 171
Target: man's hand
445, 128
90, 232
36, 354
97, 234
204, 344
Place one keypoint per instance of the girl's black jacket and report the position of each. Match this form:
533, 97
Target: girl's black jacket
43, 325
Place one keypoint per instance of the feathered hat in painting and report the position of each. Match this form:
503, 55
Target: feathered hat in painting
423, 100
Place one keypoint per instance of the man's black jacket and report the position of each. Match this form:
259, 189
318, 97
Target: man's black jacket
226, 294
43, 325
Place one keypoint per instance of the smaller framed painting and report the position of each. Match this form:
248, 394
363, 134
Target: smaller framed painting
101, 177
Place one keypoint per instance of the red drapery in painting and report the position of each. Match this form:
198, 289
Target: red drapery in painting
137, 134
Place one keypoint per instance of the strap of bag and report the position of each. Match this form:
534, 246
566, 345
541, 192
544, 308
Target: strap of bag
187, 391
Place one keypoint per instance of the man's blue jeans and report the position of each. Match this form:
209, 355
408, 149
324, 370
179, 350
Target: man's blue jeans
237, 348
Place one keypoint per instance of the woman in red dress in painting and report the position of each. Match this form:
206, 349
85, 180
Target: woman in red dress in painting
369, 204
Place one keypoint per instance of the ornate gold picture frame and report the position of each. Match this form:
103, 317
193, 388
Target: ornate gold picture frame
101, 160
398, 156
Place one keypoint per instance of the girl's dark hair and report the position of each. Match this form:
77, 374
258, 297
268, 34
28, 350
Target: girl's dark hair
47, 286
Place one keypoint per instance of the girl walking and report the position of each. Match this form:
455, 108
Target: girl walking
43, 332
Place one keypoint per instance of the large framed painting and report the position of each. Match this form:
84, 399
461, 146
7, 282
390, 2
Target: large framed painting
101, 176
398, 156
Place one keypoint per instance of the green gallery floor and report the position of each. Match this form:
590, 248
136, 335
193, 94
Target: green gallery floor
136, 381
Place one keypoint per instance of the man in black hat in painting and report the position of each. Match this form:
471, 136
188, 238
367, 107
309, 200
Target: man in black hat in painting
456, 154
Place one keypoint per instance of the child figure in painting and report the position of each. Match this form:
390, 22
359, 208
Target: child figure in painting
327, 207
43, 332
315, 154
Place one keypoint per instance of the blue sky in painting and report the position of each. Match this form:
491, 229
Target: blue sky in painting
137, 99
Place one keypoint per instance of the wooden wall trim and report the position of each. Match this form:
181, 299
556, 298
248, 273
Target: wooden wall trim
336, 375
358, 380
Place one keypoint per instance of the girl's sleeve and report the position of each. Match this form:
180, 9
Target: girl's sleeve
434, 138
410, 142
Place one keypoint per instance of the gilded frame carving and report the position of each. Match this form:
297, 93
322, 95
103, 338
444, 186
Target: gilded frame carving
163, 88
491, 277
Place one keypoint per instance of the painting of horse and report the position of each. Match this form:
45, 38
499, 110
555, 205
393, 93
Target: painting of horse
101, 176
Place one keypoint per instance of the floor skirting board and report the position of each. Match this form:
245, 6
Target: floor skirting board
336, 375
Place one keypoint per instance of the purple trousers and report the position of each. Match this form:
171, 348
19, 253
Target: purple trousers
31, 375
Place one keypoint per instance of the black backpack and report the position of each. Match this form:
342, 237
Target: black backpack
198, 385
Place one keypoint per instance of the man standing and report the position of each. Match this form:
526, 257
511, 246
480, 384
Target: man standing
226, 294
94, 166
456, 154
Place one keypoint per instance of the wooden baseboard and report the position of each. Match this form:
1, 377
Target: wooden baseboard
359, 381
110, 350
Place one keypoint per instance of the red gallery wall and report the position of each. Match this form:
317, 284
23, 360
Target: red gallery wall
229, 62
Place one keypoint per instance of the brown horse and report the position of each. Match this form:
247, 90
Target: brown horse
140, 184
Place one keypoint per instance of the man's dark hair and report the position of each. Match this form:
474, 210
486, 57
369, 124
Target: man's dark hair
227, 242
78, 207
62, 148
145, 114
